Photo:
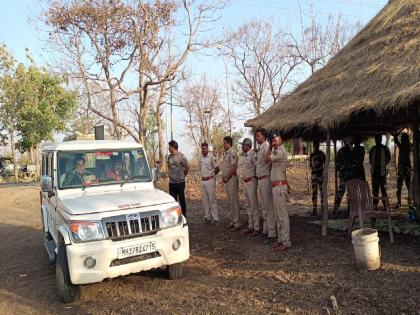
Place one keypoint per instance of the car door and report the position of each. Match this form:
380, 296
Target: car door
49, 200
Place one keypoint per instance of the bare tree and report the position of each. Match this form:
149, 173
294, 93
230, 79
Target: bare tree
205, 113
113, 42
263, 62
316, 42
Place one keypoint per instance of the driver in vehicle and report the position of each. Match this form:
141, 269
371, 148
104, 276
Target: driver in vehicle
79, 175
117, 172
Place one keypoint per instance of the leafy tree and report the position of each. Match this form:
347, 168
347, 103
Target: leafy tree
33, 102
9, 99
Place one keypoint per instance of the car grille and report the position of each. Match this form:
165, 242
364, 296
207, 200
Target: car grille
131, 225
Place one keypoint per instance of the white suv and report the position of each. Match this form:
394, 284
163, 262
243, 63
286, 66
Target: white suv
102, 216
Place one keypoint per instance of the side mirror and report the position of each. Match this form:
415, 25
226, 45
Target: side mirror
46, 184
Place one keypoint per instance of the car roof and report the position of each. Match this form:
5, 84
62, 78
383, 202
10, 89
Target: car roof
83, 145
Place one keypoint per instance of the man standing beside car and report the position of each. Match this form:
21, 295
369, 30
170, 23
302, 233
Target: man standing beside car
208, 171
178, 168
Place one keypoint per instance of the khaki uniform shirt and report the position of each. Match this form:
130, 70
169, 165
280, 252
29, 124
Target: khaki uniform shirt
248, 163
263, 168
177, 164
207, 165
230, 159
279, 164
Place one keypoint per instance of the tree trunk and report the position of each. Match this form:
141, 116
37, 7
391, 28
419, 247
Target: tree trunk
117, 130
37, 162
142, 117
161, 141
13, 148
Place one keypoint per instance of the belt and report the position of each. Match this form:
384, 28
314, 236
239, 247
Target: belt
262, 177
278, 183
248, 179
207, 178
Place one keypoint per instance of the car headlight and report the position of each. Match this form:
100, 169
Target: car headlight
171, 217
86, 231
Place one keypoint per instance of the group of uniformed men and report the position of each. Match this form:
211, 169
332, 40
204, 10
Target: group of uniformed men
349, 164
263, 174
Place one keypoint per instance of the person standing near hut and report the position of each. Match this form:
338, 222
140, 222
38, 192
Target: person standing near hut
404, 166
277, 156
248, 164
178, 169
379, 158
344, 166
208, 171
316, 163
264, 184
230, 178
358, 159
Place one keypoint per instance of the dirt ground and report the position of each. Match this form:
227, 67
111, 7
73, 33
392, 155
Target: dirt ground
228, 272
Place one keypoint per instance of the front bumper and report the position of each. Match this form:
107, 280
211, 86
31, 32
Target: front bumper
106, 252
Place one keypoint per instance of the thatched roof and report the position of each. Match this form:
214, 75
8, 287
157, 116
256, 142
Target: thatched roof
378, 72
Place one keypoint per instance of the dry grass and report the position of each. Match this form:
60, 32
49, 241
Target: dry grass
378, 70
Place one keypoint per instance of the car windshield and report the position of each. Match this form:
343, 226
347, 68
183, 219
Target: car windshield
85, 168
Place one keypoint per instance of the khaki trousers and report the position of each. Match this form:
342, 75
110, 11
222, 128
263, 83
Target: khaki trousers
269, 226
232, 192
208, 195
250, 190
282, 216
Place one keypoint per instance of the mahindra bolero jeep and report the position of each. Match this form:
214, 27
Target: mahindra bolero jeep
102, 217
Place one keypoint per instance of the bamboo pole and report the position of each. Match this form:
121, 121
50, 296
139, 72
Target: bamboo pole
325, 187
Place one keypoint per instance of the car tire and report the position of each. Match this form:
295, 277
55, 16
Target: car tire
174, 271
66, 291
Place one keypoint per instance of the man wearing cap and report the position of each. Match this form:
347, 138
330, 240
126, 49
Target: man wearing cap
264, 184
208, 170
277, 155
230, 178
248, 163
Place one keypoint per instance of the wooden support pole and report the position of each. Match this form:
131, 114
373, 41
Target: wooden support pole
325, 187
416, 164
335, 169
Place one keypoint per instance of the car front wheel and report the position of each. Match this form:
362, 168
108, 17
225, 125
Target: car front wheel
66, 291
174, 271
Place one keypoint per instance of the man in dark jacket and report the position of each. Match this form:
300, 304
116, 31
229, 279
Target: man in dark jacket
316, 163
379, 158
404, 165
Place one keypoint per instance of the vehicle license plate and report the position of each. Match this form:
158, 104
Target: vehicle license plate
134, 250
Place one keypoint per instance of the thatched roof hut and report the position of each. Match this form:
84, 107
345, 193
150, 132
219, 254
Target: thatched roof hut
373, 81
371, 86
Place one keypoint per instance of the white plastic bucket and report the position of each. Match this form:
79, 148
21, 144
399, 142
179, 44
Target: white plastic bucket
366, 248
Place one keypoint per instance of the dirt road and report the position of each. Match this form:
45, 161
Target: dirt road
228, 273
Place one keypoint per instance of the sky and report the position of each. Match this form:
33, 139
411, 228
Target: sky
19, 29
